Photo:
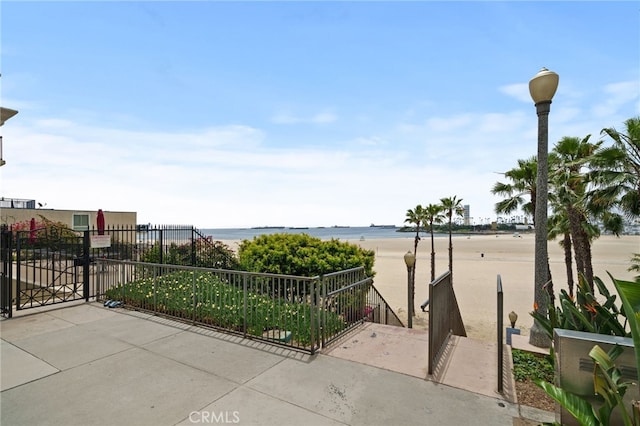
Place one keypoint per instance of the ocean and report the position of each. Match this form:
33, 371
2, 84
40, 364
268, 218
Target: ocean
341, 233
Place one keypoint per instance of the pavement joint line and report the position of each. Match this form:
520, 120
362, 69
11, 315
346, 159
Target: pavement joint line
37, 357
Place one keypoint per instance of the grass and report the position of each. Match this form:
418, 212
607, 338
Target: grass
221, 304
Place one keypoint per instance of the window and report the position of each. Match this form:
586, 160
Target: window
80, 222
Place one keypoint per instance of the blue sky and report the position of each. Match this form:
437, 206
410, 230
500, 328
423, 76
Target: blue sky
240, 114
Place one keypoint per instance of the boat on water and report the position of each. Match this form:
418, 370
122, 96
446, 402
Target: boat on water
373, 225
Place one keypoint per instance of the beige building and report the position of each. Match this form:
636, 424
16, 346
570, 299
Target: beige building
19, 210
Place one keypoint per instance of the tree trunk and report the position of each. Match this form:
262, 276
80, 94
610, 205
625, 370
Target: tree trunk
588, 265
568, 261
450, 251
576, 236
413, 270
433, 256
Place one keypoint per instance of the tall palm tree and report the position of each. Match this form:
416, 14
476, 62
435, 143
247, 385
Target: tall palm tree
559, 226
433, 214
617, 170
415, 217
451, 206
523, 184
569, 183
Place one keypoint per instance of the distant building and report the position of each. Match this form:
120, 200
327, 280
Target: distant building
14, 210
467, 214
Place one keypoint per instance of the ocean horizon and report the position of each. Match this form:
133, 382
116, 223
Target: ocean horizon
324, 233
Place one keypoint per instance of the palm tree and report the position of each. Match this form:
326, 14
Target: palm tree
415, 217
451, 206
523, 183
433, 214
559, 225
635, 265
569, 182
617, 170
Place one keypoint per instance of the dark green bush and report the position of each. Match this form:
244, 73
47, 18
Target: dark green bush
527, 365
302, 255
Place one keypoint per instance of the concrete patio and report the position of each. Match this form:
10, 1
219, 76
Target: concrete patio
85, 364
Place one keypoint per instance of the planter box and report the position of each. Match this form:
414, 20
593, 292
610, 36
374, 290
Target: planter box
574, 367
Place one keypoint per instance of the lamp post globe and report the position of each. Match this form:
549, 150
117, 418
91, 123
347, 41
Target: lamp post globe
542, 87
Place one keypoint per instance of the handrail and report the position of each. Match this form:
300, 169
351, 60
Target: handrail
500, 335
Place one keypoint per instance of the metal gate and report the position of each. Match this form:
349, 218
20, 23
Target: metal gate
40, 269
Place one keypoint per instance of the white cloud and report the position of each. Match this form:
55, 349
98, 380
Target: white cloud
324, 117
617, 95
286, 117
519, 91
229, 176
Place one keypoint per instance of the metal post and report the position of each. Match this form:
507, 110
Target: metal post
193, 247
500, 335
6, 283
160, 247
409, 297
85, 265
244, 305
537, 336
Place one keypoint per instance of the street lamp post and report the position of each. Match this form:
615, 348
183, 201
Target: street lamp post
410, 261
542, 87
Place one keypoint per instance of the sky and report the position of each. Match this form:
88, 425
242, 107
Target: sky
243, 114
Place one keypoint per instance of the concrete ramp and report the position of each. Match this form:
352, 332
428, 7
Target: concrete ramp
466, 363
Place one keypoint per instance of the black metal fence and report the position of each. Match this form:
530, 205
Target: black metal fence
48, 265
297, 312
176, 271
170, 244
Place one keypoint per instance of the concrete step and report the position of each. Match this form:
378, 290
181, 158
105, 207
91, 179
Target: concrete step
466, 363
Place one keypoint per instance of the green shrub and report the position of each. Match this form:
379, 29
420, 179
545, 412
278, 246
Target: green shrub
302, 255
528, 365
585, 313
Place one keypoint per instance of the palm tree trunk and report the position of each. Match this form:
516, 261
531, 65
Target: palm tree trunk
588, 265
576, 236
433, 256
568, 261
413, 270
450, 250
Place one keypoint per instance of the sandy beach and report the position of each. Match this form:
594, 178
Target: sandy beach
477, 261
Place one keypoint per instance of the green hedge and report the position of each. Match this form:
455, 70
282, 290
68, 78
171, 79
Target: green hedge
302, 255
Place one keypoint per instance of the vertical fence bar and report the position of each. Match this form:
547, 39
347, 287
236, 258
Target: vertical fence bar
7, 278
85, 266
193, 247
160, 245
500, 331
314, 303
18, 270
193, 280
244, 305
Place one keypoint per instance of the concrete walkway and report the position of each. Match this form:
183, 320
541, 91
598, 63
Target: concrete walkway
90, 365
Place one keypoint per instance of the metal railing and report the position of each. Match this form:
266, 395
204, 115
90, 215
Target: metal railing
500, 322
297, 312
444, 317
279, 309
